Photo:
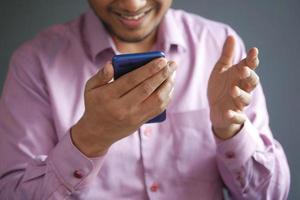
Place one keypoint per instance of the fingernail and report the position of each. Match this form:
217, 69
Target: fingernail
172, 65
256, 49
230, 114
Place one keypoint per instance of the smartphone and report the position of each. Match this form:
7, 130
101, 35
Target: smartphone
125, 63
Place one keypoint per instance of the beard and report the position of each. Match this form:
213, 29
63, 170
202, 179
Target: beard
129, 39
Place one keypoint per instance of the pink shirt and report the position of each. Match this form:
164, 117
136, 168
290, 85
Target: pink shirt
177, 159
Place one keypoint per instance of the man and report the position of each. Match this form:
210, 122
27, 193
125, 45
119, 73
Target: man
68, 131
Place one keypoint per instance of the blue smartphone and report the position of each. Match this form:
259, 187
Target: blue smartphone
125, 63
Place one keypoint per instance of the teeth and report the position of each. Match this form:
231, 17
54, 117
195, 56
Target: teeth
135, 17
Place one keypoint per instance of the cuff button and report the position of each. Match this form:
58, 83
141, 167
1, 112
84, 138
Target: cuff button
78, 174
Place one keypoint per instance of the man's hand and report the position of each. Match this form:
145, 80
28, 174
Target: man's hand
229, 90
114, 110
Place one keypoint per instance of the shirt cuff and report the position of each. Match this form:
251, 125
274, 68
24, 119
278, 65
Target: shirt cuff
236, 151
71, 166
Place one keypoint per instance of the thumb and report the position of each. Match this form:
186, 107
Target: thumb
226, 58
102, 77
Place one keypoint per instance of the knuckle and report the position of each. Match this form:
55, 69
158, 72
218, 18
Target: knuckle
166, 73
131, 80
154, 67
157, 65
146, 88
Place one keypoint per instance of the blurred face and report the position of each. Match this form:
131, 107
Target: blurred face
131, 20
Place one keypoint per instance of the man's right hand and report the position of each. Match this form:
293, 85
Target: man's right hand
114, 110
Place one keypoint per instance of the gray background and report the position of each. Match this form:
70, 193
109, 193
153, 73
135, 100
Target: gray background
273, 26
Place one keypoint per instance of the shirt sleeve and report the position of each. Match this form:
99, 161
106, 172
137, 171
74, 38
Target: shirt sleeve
252, 163
35, 163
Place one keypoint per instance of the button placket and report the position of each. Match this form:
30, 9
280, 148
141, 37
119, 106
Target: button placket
241, 178
147, 136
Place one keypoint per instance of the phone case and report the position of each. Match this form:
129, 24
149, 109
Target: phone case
125, 63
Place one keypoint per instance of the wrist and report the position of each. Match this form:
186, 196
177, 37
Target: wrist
227, 132
86, 142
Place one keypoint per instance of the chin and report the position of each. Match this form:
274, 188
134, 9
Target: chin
133, 37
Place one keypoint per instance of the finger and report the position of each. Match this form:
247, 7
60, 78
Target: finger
226, 58
240, 97
244, 72
102, 77
251, 60
159, 100
145, 89
233, 117
129, 81
250, 82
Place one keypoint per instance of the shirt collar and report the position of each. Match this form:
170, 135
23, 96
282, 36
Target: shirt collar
170, 34
98, 39
95, 35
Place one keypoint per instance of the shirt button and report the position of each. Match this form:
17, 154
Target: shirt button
246, 191
148, 131
230, 154
40, 160
78, 174
154, 187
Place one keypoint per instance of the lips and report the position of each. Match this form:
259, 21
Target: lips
133, 17
132, 20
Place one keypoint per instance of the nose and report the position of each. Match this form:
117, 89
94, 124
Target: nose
133, 5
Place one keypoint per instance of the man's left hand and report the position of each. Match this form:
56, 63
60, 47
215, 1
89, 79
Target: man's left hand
229, 90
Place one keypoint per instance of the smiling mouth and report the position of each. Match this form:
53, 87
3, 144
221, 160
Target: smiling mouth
135, 17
